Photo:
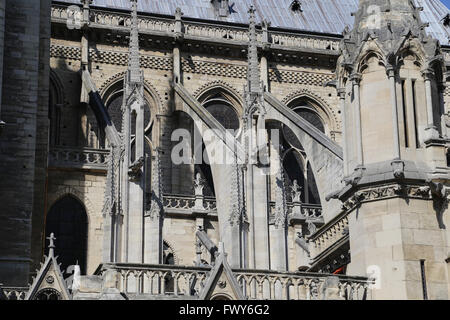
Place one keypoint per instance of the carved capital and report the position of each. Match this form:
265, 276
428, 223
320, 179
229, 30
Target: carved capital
390, 70
427, 74
341, 93
355, 78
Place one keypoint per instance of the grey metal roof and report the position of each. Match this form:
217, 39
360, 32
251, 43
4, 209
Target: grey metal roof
324, 16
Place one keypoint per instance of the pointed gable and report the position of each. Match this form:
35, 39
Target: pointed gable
49, 284
222, 283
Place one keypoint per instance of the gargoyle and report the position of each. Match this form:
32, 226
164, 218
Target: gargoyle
134, 170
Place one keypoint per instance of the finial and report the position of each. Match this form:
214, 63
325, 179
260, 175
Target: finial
86, 3
51, 245
251, 10
178, 13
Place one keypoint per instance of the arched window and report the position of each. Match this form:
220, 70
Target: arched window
222, 106
55, 103
308, 112
113, 99
206, 174
222, 110
48, 294
296, 165
293, 165
67, 219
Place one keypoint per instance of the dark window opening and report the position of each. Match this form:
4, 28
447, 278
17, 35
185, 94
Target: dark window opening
293, 170
48, 294
206, 174
405, 114
416, 130
67, 219
312, 117
224, 113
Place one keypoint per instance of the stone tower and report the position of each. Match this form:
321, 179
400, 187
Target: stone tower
390, 77
24, 64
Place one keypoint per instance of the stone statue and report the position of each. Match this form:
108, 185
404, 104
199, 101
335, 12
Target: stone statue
199, 184
296, 191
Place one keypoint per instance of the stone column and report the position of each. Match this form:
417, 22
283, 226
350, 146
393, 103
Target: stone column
356, 79
264, 73
431, 132
136, 192
341, 93
257, 204
391, 75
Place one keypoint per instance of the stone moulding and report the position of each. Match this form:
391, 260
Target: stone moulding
218, 84
81, 196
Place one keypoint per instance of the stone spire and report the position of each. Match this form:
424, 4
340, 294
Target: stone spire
134, 67
253, 78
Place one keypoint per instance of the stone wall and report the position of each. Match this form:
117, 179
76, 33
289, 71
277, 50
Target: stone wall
88, 188
390, 238
22, 90
42, 137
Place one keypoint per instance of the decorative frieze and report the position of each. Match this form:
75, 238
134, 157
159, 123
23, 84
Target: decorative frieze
110, 57
384, 192
214, 68
306, 78
66, 52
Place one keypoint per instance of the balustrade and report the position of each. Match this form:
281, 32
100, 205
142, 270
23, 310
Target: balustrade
255, 284
78, 158
226, 33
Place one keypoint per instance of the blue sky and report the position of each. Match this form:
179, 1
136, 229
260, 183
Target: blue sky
446, 2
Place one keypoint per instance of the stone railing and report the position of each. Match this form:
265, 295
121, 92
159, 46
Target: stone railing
204, 30
158, 279
259, 285
301, 210
187, 282
85, 158
224, 33
189, 203
328, 235
121, 20
303, 41
15, 293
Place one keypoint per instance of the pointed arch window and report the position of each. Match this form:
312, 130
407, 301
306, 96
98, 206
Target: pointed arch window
67, 219
221, 109
307, 111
